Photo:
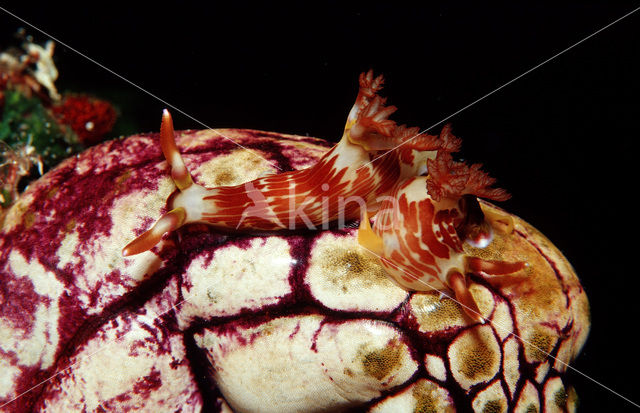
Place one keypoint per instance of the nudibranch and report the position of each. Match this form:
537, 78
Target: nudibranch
420, 229
350, 171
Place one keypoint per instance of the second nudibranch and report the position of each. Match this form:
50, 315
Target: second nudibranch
310, 197
420, 229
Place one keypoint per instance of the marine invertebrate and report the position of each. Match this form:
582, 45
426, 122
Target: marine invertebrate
30, 70
310, 197
428, 201
90, 118
278, 323
38, 126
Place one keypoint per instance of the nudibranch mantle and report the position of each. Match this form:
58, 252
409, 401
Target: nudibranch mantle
425, 203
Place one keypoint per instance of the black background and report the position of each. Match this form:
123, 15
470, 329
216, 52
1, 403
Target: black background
562, 139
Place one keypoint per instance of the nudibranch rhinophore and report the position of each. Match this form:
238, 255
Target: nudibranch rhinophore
425, 203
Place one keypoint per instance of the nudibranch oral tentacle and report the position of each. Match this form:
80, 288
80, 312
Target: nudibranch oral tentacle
420, 229
311, 197
170, 221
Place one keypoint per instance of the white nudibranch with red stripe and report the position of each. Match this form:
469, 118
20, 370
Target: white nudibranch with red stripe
425, 202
